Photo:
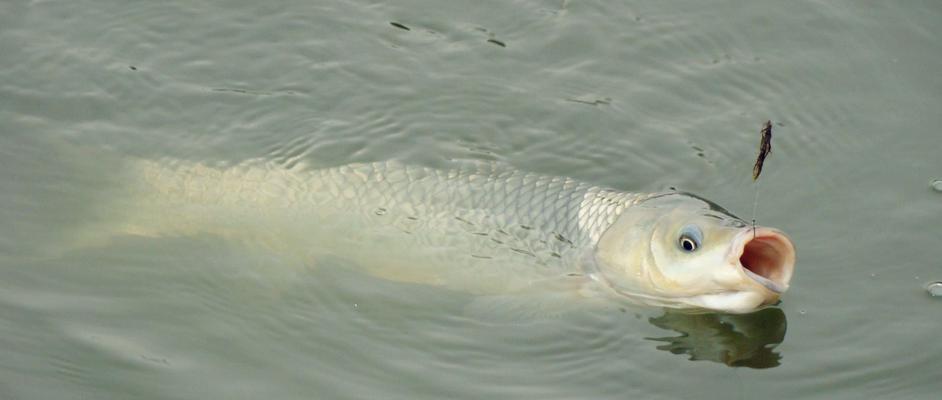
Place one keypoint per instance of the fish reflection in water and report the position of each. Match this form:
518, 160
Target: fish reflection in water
742, 340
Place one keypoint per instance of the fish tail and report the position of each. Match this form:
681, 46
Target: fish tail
55, 197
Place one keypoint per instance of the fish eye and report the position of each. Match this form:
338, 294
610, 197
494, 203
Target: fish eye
687, 244
690, 238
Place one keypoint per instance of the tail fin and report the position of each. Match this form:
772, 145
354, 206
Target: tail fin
58, 198
50, 191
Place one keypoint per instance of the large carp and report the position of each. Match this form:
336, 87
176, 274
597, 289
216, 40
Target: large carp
483, 229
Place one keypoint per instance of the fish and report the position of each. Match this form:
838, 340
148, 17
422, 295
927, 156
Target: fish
486, 229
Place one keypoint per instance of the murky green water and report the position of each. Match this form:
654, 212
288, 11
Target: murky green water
637, 96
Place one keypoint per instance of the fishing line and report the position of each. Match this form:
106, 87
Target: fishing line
755, 206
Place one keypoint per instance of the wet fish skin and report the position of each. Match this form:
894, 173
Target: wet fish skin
487, 196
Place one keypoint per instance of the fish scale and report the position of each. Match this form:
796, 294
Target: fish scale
497, 216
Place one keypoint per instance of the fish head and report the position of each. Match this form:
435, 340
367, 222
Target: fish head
681, 251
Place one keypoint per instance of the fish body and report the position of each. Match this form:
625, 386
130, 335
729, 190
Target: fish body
486, 230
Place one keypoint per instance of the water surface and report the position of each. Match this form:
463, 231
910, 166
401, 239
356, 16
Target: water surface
638, 96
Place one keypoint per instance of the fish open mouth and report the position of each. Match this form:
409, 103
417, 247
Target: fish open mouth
768, 257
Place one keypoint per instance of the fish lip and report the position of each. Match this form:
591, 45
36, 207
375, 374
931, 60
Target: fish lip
765, 256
